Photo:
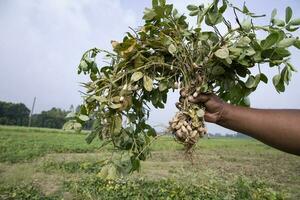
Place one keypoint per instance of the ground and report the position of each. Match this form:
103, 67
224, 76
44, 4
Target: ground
52, 164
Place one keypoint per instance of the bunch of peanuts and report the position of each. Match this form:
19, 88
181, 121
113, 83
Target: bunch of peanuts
184, 131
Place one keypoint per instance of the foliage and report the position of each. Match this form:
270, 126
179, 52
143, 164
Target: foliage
73, 167
18, 114
23, 192
168, 189
13, 114
166, 53
96, 188
53, 118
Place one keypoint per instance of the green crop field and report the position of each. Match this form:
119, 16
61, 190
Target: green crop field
53, 164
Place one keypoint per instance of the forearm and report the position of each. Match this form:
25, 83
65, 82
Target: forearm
277, 128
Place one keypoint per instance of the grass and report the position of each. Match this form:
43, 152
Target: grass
53, 164
22, 144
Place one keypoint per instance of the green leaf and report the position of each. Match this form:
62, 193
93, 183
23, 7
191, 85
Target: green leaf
172, 49
270, 40
274, 13
83, 65
297, 44
287, 42
246, 25
84, 118
288, 14
136, 76
100, 99
295, 22
278, 83
149, 14
162, 2
192, 7
218, 70
244, 41
250, 52
163, 85
263, 78
250, 83
116, 125
278, 22
292, 68
246, 101
291, 29
154, 3
276, 79
115, 105
148, 83
91, 137
213, 18
71, 115
194, 13
222, 53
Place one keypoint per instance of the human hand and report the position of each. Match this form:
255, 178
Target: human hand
213, 104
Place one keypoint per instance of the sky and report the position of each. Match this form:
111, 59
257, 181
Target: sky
41, 43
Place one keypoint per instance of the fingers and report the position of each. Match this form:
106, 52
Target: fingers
199, 98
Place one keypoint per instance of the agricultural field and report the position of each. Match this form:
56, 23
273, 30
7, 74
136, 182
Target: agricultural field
53, 164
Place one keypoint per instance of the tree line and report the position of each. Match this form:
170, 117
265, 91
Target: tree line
18, 114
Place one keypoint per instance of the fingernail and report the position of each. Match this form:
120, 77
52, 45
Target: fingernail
195, 94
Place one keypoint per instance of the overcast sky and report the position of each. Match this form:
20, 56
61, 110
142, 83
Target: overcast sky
41, 43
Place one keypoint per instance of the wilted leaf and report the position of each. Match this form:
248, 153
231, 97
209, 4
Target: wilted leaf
117, 124
115, 106
172, 49
112, 173
136, 76
100, 99
104, 172
222, 53
200, 113
148, 83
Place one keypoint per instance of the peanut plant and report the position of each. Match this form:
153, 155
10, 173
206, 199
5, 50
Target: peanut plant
165, 54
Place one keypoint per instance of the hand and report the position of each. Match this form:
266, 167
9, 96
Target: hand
214, 106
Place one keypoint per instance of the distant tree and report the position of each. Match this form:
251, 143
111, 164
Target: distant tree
53, 118
13, 114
